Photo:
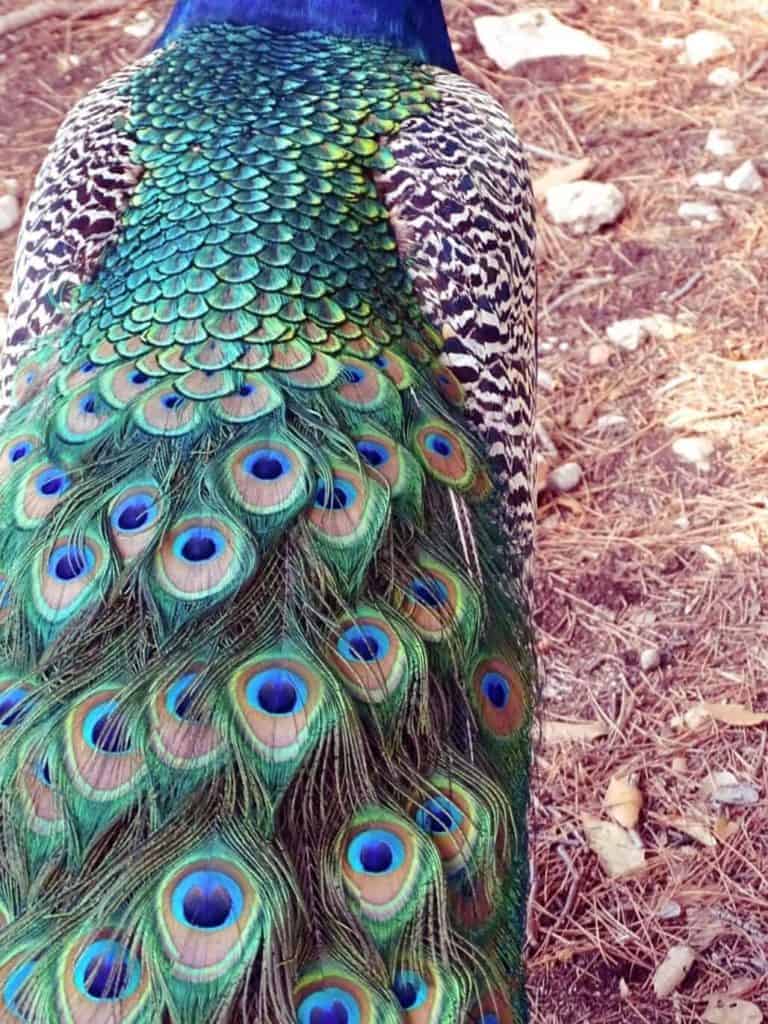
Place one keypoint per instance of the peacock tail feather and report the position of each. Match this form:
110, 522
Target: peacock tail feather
266, 678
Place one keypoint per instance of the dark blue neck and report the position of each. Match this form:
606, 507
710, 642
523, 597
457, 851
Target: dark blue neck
415, 26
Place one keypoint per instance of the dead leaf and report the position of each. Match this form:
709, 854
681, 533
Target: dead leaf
556, 731
727, 714
562, 175
724, 828
691, 827
671, 972
724, 1009
618, 851
623, 800
582, 415
739, 794
734, 714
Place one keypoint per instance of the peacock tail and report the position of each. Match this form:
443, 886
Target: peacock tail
266, 670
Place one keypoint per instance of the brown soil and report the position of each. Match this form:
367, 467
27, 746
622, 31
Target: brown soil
649, 550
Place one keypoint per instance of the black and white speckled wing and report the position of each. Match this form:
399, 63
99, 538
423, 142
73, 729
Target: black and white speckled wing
80, 193
461, 207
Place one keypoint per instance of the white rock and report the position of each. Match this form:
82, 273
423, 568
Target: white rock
545, 380
584, 206
720, 143
141, 25
736, 794
697, 450
723, 77
746, 178
672, 43
627, 334
708, 179
650, 659
698, 213
566, 477
705, 45
532, 34
10, 211
610, 421
599, 354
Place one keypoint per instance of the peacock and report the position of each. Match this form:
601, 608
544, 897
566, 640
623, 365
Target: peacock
267, 681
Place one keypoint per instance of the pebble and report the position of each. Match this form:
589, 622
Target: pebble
720, 143
610, 421
650, 658
627, 334
533, 34
700, 213
746, 178
706, 45
566, 477
545, 380
585, 206
599, 354
708, 179
736, 794
723, 77
697, 450
10, 211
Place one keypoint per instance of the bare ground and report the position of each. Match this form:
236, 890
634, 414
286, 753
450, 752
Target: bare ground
649, 551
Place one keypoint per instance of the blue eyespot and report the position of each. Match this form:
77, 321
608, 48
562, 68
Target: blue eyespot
134, 513
429, 591
410, 989
88, 367
331, 1005
376, 851
363, 643
496, 689
19, 451
373, 453
105, 729
439, 815
13, 985
172, 401
245, 389
139, 377
90, 405
208, 900
353, 374
14, 706
439, 444
267, 464
180, 700
343, 495
52, 482
106, 971
199, 544
70, 563
277, 691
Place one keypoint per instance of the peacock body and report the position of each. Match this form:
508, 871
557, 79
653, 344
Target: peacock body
266, 672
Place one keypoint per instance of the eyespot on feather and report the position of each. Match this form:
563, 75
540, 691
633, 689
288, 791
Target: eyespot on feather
328, 993
135, 515
444, 453
101, 979
163, 412
40, 491
208, 915
100, 753
17, 452
182, 734
499, 694
69, 576
267, 477
252, 399
17, 988
280, 699
369, 656
201, 557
